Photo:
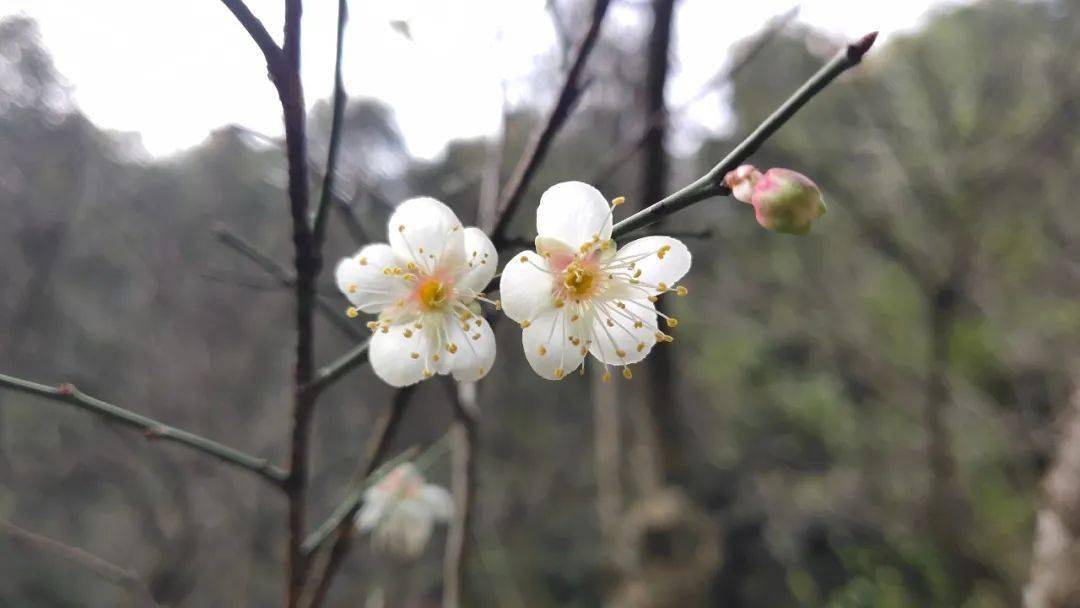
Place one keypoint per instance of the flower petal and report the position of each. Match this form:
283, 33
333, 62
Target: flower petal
574, 213
391, 354
475, 349
428, 233
361, 278
525, 288
547, 343
645, 254
481, 261
372, 511
623, 334
438, 501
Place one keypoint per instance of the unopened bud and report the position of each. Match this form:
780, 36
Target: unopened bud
783, 200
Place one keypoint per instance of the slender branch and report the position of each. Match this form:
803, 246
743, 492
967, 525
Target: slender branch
99, 566
459, 542
237, 243
618, 157
545, 135
712, 183
270, 50
340, 524
328, 374
706, 233
336, 120
151, 429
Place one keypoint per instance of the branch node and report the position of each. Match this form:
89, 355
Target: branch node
66, 389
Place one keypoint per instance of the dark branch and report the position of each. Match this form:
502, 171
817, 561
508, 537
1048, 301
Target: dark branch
150, 428
545, 135
270, 50
712, 183
459, 540
337, 117
340, 523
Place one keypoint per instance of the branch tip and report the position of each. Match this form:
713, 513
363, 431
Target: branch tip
857, 49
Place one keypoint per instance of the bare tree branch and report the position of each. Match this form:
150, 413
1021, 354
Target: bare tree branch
459, 542
712, 183
270, 50
99, 566
150, 428
284, 278
545, 135
337, 117
340, 524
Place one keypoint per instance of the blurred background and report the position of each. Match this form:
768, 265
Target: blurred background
864, 416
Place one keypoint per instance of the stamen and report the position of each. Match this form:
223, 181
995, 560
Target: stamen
680, 291
626, 373
351, 312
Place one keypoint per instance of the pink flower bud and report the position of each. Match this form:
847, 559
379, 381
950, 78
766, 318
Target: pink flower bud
784, 200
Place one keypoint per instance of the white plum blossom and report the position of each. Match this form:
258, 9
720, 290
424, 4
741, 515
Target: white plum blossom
401, 511
577, 294
424, 286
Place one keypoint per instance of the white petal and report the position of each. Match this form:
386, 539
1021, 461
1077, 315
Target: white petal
475, 349
547, 343
371, 512
427, 232
361, 278
573, 212
524, 288
616, 338
405, 530
481, 261
645, 254
438, 500
391, 353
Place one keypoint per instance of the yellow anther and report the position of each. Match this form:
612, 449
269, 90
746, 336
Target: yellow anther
418, 325
618, 201
498, 304
411, 266
621, 353
672, 322
372, 325
420, 250
653, 299
680, 291
362, 261
427, 374
610, 323
435, 357
385, 329
388, 271
606, 377
640, 347
452, 348
408, 333
401, 228
559, 303
574, 318
584, 351
476, 337
525, 323
542, 350
662, 286
638, 324
524, 259
409, 277
620, 304
414, 355
351, 312
660, 253
351, 288
559, 373
637, 273
626, 373
480, 370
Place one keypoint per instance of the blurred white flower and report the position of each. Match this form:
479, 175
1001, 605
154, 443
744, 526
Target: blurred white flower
401, 510
424, 286
577, 294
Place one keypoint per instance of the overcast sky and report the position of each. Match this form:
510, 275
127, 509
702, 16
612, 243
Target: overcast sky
174, 70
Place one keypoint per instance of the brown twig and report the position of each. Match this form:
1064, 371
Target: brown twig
459, 541
99, 566
542, 139
150, 428
379, 449
272, 267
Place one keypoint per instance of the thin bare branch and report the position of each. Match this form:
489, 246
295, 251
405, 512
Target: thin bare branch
339, 526
98, 565
150, 428
459, 541
336, 120
712, 183
270, 50
239, 244
545, 135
